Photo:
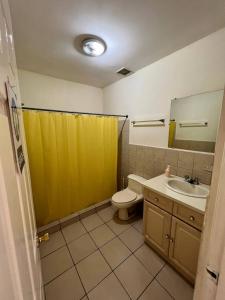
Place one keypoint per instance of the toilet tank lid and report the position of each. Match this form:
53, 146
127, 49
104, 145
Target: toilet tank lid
137, 178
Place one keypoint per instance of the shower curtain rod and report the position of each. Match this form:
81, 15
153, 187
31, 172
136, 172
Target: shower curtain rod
72, 112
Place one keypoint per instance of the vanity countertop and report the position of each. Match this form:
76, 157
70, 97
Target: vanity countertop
158, 185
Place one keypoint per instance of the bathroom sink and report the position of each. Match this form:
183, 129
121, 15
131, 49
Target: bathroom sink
185, 188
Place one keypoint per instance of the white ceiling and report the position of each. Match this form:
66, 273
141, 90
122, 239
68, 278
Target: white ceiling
137, 33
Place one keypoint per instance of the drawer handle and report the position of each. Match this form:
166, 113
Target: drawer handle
191, 218
156, 199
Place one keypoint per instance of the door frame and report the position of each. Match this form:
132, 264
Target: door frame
212, 251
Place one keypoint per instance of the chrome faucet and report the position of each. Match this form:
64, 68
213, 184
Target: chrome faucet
191, 180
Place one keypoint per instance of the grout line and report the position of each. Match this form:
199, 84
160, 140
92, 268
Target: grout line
92, 228
75, 239
47, 283
99, 250
132, 252
97, 247
74, 265
122, 285
158, 281
41, 257
153, 278
112, 271
117, 234
164, 289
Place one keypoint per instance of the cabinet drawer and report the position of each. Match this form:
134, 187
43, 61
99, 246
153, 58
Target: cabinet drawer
188, 215
159, 200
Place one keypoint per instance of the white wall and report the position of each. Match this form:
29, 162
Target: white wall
196, 68
43, 91
202, 107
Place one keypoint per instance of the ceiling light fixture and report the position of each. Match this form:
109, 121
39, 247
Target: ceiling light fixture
93, 47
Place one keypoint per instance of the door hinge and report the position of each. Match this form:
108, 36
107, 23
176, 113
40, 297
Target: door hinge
213, 274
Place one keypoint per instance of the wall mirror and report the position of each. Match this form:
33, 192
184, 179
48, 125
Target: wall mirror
194, 121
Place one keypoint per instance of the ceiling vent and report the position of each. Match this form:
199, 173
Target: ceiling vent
123, 71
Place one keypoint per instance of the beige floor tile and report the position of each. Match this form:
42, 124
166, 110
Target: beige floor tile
132, 238
175, 284
92, 270
55, 242
139, 225
116, 227
73, 231
150, 259
81, 247
133, 276
115, 252
110, 288
91, 222
102, 235
155, 292
66, 284
55, 264
106, 214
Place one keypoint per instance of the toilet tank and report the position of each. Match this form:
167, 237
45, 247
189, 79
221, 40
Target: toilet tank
135, 183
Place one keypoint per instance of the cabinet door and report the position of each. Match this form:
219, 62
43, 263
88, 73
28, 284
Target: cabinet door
157, 227
184, 247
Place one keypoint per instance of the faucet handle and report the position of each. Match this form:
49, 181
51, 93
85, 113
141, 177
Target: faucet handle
186, 177
196, 180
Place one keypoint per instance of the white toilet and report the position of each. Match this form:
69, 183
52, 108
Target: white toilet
126, 199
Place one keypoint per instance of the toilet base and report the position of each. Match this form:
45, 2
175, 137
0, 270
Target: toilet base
125, 214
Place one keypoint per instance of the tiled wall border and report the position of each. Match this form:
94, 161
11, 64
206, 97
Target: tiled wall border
59, 224
151, 161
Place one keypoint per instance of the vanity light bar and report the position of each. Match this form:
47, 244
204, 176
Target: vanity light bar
193, 124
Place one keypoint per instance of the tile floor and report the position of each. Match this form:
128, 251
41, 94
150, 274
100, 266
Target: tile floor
99, 259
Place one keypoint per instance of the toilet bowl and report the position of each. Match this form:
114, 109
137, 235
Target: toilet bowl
126, 199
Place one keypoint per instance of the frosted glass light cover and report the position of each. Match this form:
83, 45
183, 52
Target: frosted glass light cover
93, 47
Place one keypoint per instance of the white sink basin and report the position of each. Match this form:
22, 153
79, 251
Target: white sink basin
185, 188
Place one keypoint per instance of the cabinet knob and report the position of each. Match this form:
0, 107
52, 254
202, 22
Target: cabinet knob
167, 236
191, 218
156, 199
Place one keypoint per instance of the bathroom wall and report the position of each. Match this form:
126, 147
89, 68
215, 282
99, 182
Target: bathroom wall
196, 68
43, 91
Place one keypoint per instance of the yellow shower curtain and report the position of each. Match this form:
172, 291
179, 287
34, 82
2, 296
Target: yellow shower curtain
73, 161
172, 133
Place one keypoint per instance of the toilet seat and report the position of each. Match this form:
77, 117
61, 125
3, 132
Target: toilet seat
124, 196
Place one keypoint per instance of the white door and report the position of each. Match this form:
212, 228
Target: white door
19, 258
20, 272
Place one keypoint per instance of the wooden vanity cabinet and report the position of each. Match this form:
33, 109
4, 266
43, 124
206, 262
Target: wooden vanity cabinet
174, 233
184, 247
157, 227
